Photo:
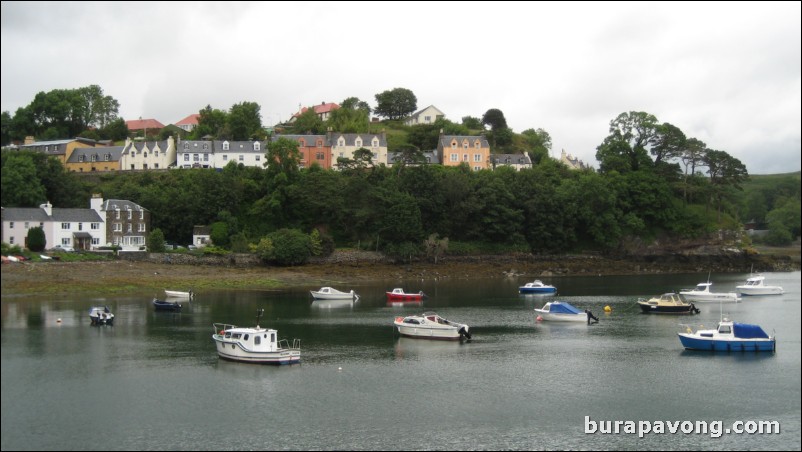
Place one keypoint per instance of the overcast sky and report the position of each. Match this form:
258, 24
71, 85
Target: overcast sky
725, 73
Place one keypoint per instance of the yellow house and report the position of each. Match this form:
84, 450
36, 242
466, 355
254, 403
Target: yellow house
61, 149
454, 150
86, 160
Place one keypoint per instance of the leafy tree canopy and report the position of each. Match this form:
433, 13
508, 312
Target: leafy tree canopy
396, 103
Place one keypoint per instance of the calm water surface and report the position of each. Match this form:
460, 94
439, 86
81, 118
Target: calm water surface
154, 381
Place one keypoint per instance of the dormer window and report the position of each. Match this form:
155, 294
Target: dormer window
94, 157
156, 154
453, 145
133, 153
358, 142
107, 157
341, 142
186, 146
205, 146
225, 145
257, 146
477, 144
145, 154
465, 144
320, 143
80, 158
302, 142
375, 142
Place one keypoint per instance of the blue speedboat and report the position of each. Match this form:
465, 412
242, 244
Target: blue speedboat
729, 337
537, 287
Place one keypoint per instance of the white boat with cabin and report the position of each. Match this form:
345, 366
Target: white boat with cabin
330, 293
560, 311
702, 293
179, 294
254, 345
755, 285
431, 326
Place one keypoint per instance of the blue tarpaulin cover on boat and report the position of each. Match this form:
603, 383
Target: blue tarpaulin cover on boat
746, 331
564, 308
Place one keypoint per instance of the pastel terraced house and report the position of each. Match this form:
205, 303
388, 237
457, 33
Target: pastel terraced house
313, 149
60, 149
87, 160
146, 155
82, 229
454, 150
343, 145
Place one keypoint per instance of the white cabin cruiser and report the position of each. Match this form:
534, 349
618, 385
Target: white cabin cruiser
254, 345
431, 326
702, 293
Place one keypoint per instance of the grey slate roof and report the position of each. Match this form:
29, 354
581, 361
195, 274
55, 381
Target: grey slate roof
120, 204
367, 138
445, 140
113, 152
38, 215
239, 146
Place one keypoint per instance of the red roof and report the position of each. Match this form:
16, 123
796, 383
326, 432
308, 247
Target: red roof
319, 109
139, 124
191, 120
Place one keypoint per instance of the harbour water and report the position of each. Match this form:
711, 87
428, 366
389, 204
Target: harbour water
154, 381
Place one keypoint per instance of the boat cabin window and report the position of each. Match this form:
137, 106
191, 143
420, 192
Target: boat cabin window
246, 337
228, 335
272, 337
236, 335
257, 340
724, 329
414, 321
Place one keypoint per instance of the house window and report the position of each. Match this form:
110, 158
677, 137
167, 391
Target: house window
375, 156
133, 153
225, 157
225, 145
80, 226
375, 143
205, 157
11, 240
130, 227
454, 158
319, 156
241, 158
141, 214
341, 142
258, 157
11, 225
453, 145
26, 225
320, 143
108, 157
205, 146
95, 241
358, 143
478, 158
477, 168
132, 167
65, 226
94, 158
465, 144
55, 148
186, 146
46, 148
427, 119
156, 154
156, 165
65, 242
80, 158
186, 157
145, 154
196, 157
141, 227
118, 213
95, 226
257, 146
477, 144
117, 227
464, 157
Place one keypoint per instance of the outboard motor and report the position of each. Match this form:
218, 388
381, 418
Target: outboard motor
463, 332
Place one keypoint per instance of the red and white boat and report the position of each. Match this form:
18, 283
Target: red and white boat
398, 294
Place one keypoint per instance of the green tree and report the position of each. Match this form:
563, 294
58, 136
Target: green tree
212, 123
245, 122
36, 240
5, 129
20, 185
263, 249
692, 156
353, 116
290, 247
472, 123
539, 143
98, 110
435, 247
725, 171
396, 103
308, 122
625, 148
155, 241
495, 119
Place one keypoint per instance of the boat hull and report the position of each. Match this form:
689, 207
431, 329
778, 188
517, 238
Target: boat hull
233, 351
710, 297
556, 317
421, 332
331, 296
540, 290
694, 342
405, 297
652, 309
166, 306
765, 290
178, 294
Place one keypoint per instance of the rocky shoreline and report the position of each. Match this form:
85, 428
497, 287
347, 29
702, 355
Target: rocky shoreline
152, 273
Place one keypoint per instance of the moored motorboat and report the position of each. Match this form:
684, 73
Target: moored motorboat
755, 285
537, 287
330, 293
560, 311
398, 294
702, 293
162, 305
101, 315
728, 337
254, 345
668, 303
179, 294
431, 326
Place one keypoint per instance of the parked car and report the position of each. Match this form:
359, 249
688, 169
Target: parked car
64, 248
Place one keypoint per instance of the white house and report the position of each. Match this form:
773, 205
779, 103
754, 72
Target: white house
82, 229
141, 155
515, 161
428, 115
344, 144
248, 153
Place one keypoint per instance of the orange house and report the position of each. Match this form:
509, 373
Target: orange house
454, 150
313, 149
